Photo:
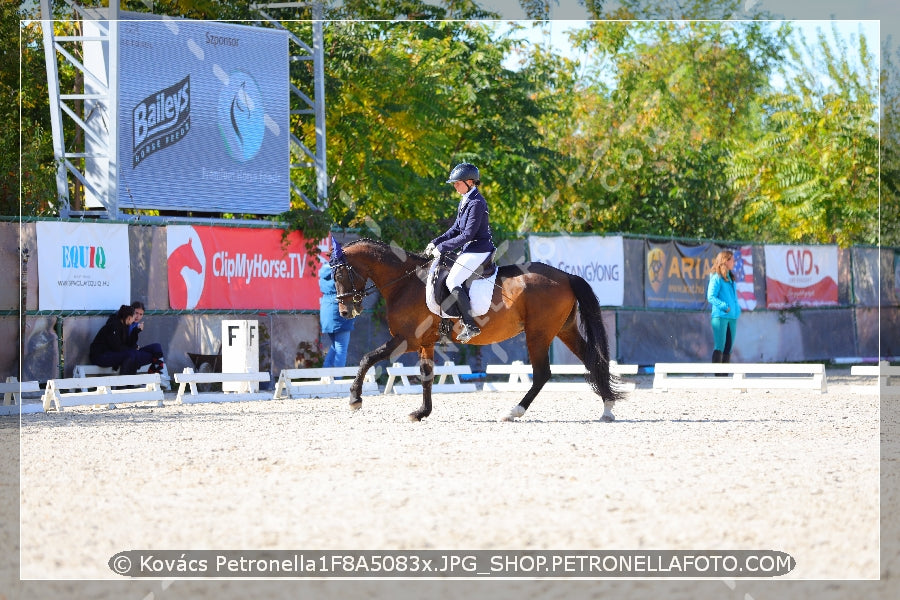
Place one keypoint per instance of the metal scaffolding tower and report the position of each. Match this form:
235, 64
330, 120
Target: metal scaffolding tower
98, 119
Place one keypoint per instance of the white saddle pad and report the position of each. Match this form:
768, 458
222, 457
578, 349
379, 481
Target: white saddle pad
480, 293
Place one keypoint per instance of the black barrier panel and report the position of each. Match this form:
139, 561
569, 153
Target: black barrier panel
634, 273
889, 326
890, 277
648, 337
865, 275
41, 349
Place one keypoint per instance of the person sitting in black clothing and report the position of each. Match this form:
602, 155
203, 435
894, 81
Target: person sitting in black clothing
113, 346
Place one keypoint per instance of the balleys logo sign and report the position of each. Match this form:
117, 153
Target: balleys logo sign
161, 120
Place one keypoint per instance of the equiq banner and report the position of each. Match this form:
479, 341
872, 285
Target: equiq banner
238, 268
202, 116
599, 260
801, 276
83, 266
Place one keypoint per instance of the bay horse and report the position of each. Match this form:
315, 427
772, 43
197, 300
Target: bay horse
541, 300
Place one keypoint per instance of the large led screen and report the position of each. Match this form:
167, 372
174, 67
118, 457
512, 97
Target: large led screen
203, 117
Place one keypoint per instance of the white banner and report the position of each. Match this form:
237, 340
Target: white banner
599, 260
83, 266
801, 276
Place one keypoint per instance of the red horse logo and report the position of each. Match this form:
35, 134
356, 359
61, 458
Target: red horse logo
182, 258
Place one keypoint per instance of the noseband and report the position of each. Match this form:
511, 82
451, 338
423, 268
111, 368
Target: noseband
355, 294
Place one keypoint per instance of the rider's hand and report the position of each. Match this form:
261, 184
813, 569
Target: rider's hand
435, 253
429, 248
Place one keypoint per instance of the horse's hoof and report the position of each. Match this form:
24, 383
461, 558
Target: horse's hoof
608, 416
516, 412
414, 417
355, 404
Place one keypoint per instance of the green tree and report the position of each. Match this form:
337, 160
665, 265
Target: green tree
27, 146
407, 101
811, 175
890, 147
652, 125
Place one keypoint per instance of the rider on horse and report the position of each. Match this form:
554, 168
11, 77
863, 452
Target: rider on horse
471, 234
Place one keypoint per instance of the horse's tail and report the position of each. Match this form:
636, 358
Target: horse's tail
596, 348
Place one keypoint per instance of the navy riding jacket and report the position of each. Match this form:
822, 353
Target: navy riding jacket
471, 231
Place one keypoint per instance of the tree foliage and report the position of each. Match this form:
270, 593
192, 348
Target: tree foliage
651, 128
811, 172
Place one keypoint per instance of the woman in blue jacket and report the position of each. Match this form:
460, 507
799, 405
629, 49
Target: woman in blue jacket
336, 327
722, 296
471, 235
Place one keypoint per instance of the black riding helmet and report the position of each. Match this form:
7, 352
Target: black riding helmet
463, 172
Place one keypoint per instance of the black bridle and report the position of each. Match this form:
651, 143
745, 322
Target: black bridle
356, 294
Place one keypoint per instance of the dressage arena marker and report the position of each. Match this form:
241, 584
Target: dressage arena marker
325, 382
146, 388
519, 380
448, 369
188, 378
883, 372
669, 376
93, 370
12, 396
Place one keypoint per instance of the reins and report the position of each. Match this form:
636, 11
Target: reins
358, 295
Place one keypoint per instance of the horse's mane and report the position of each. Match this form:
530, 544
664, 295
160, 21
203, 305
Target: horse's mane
383, 247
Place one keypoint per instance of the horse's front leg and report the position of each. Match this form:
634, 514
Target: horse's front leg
377, 355
426, 374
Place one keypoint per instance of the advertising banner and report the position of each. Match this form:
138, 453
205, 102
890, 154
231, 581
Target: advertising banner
677, 274
801, 276
743, 270
83, 266
203, 116
599, 260
238, 268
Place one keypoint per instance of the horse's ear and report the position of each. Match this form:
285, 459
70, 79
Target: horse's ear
337, 253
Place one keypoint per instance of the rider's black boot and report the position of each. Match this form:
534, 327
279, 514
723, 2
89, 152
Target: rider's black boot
470, 328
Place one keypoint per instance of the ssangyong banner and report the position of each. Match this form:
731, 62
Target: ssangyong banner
203, 117
238, 268
83, 266
801, 276
677, 274
599, 260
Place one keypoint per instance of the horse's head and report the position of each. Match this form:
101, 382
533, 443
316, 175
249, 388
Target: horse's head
349, 284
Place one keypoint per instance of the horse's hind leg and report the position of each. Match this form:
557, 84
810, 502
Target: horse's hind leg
539, 355
572, 339
377, 355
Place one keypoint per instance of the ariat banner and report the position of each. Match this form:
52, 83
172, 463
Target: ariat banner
676, 275
599, 260
801, 276
235, 268
83, 266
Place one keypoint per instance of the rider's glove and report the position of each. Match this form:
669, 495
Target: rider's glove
429, 248
435, 253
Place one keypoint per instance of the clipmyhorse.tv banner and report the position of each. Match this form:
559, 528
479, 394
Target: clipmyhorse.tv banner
801, 276
599, 260
227, 267
83, 266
